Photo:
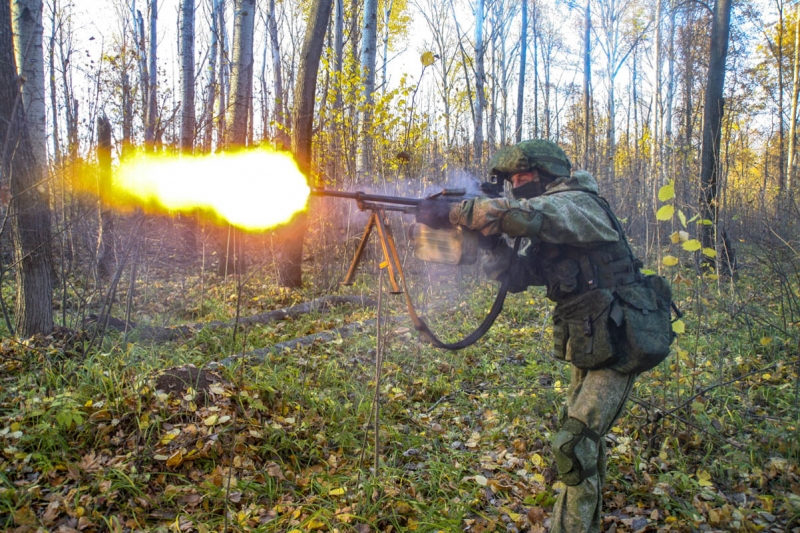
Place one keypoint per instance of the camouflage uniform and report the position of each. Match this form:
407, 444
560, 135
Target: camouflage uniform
567, 215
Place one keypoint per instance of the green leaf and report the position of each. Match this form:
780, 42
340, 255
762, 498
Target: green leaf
706, 222
667, 192
692, 245
682, 217
679, 327
648, 272
709, 252
666, 212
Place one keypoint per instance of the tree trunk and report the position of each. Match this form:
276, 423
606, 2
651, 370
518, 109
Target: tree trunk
187, 76
781, 127
105, 233
152, 102
523, 57
29, 211
232, 256
280, 98
338, 42
241, 73
712, 120
480, 79
53, 91
222, 82
30, 64
211, 96
791, 166
587, 81
386, 29
369, 52
290, 238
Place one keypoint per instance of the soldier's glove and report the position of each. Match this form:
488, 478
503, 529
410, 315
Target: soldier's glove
434, 213
492, 189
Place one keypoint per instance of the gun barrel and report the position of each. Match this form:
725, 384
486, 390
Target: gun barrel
365, 197
452, 195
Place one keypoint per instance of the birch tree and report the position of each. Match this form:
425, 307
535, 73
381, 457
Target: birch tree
187, 75
211, 84
587, 80
791, 163
369, 49
480, 81
277, 75
29, 53
523, 57
241, 72
28, 211
151, 114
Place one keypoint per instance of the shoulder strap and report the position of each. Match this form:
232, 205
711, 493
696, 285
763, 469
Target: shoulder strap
421, 326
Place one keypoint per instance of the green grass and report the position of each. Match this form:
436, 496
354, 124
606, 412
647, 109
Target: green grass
464, 437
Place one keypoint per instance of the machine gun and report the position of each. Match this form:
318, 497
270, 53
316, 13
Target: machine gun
454, 246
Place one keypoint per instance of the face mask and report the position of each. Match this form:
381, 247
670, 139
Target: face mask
529, 190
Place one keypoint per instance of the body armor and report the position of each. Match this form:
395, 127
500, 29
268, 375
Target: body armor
568, 270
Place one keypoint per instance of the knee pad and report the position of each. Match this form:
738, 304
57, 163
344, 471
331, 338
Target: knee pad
570, 468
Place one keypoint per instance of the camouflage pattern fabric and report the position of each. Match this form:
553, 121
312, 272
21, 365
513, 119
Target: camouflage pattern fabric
570, 216
527, 155
596, 398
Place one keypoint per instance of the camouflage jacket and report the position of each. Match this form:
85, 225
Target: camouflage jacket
565, 214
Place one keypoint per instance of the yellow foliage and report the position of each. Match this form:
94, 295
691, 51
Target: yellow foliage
692, 245
666, 212
669, 260
667, 192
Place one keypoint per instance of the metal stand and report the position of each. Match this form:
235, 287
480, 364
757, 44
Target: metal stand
391, 259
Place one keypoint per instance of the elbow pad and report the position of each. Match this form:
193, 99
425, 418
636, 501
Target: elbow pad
519, 223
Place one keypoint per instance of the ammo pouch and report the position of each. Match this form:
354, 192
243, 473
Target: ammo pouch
582, 331
646, 331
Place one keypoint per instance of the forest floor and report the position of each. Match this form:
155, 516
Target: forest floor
136, 434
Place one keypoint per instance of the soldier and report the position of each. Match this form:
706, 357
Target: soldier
579, 252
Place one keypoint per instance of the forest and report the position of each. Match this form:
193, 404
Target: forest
178, 351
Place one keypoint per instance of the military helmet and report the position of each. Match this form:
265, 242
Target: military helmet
527, 155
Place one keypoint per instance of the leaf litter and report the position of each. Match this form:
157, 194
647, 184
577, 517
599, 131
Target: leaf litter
104, 442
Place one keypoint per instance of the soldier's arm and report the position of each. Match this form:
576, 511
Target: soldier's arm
569, 217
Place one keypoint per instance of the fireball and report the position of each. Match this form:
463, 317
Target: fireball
254, 190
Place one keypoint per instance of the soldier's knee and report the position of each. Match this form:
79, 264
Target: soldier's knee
574, 466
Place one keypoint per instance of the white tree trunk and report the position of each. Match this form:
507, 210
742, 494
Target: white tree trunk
369, 49
242, 72
28, 30
211, 96
523, 56
480, 79
791, 167
187, 75
277, 76
152, 82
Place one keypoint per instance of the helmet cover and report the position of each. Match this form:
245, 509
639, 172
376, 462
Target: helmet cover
528, 155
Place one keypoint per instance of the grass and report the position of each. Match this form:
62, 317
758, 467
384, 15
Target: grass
709, 441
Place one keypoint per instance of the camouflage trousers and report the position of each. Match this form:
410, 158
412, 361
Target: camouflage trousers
596, 398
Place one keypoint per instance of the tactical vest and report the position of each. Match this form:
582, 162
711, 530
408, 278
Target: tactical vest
571, 270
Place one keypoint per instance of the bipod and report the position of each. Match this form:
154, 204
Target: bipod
391, 259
